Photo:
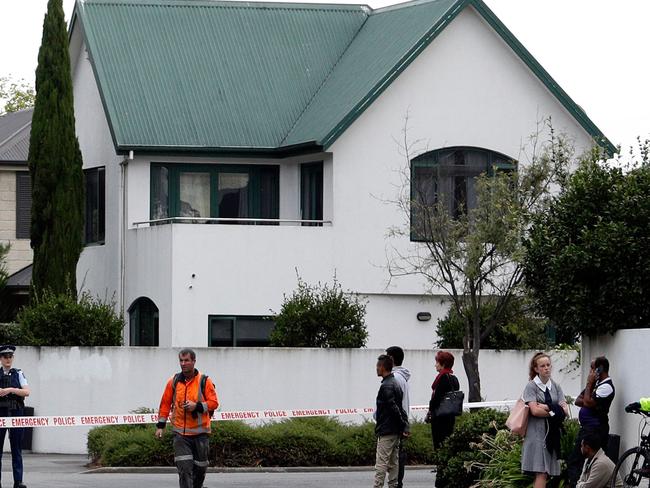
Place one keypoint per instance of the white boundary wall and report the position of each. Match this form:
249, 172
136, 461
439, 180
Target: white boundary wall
627, 352
116, 380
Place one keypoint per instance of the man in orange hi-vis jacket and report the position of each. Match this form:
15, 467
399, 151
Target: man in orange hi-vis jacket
190, 398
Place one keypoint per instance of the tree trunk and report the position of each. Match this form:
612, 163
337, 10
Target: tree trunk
470, 362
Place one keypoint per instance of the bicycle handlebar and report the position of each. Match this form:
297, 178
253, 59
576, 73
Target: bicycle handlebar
635, 407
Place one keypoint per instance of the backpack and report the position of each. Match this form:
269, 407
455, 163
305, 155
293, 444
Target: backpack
204, 378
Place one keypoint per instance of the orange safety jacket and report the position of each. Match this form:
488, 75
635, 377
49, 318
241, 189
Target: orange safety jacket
183, 421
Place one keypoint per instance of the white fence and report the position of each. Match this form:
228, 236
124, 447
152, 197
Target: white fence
116, 380
627, 352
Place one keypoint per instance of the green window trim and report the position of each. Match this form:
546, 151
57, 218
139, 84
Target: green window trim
95, 206
143, 323
261, 202
494, 161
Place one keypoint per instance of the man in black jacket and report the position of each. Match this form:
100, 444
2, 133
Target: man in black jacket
392, 422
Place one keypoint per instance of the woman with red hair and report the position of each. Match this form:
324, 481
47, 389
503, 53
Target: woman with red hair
442, 427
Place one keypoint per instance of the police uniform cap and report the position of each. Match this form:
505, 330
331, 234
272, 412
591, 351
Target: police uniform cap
7, 349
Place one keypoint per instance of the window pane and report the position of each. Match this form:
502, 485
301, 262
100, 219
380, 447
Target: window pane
233, 195
221, 332
253, 332
94, 222
424, 198
269, 194
194, 194
312, 192
143, 323
159, 192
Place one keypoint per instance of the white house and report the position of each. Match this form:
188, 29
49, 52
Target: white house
228, 146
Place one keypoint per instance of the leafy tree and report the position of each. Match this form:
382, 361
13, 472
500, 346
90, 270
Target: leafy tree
517, 328
320, 316
18, 95
475, 257
587, 261
55, 164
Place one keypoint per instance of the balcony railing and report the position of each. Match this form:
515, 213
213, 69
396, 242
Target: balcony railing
231, 220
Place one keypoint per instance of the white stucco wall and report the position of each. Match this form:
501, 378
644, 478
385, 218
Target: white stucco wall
98, 270
116, 380
626, 351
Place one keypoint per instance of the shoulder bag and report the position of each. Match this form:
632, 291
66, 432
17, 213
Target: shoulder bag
451, 403
518, 419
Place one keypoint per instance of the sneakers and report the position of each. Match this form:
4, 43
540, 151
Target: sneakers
20, 484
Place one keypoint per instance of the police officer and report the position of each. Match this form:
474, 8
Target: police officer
13, 390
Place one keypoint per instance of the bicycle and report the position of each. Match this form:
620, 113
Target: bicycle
633, 466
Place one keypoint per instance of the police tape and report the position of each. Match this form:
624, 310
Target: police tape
152, 418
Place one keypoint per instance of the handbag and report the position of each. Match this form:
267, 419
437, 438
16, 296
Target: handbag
518, 419
451, 404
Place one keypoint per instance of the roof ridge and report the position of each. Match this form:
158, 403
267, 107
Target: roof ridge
279, 5
329, 73
402, 5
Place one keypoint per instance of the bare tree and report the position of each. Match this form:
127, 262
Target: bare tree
473, 255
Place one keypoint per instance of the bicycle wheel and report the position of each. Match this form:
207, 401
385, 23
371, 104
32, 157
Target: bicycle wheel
630, 469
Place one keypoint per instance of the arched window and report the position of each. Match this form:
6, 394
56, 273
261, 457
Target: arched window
143, 322
446, 178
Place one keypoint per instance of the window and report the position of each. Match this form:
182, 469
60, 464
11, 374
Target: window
94, 228
448, 177
239, 331
143, 322
23, 204
224, 191
311, 192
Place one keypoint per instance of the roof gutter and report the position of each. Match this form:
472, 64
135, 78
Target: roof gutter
233, 151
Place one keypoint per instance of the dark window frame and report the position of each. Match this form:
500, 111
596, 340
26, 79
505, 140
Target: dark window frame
23, 204
234, 319
135, 312
95, 232
494, 161
255, 172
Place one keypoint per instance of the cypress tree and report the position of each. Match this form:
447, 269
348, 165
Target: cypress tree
55, 165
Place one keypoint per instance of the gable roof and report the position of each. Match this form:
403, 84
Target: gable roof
273, 78
15, 129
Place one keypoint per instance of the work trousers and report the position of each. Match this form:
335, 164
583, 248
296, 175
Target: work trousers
402, 463
15, 441
387, 460
191, 457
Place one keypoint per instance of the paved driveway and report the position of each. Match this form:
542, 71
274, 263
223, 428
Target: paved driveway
59, 471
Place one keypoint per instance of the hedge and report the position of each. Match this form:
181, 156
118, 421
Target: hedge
295, 442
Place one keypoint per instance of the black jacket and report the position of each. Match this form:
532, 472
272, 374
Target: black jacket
391, 417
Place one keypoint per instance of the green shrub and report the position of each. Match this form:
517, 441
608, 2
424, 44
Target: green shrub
15, 334
61, 320
457, 457
320, 316
315, 441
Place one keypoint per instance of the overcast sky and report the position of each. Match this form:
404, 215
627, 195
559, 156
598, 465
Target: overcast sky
597, 50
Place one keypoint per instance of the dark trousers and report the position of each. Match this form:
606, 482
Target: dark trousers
15, 441
576, 460
402, 462
191, 457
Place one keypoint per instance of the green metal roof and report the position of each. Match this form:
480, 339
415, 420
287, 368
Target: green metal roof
213, 76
